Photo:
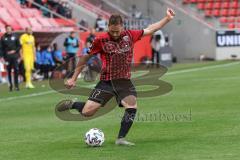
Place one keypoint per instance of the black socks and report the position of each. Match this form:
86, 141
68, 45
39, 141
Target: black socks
127, 121
78, 106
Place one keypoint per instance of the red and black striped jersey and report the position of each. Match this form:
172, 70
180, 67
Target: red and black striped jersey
117, 55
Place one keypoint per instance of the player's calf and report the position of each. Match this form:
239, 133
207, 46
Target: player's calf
86, 109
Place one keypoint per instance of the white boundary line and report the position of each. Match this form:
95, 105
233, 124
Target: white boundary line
26, 96
202, 68
170, 73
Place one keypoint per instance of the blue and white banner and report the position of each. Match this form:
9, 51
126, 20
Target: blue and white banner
228, 38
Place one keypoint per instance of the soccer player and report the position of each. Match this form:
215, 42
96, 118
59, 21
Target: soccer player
116, 50
27, 41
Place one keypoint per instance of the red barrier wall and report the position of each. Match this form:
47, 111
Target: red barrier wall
141, 49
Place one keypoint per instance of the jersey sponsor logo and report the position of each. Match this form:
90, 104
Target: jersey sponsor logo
117, 47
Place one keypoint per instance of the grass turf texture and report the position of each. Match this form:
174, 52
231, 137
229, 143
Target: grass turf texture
29, 129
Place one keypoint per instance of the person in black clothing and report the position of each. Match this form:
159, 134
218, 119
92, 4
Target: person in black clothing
10, 50
91, 36
156, 45
61, 9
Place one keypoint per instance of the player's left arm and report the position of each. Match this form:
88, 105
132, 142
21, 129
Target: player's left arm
157, 26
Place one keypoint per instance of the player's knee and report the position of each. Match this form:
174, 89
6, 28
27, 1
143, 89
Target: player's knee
87, 113
129, 102
131, 106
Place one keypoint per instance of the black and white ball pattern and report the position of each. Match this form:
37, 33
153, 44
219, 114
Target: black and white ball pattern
94, 137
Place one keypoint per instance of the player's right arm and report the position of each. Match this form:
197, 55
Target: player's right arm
94, 49
80, 65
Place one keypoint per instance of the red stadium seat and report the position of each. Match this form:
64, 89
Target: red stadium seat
224, 12
193, 1
28, 13
36, 13
208, 13
23, 22
233, 12
15, 5
201, 6
201, 1
209, 5
231, 19
231, 25
63, 22
225, 5
44, 22
5, 4
217, 5
234, 4
53, 22
14, 13
223, 20
7, 19
186, 1
216, 12
2, 26
35, 24
11, 13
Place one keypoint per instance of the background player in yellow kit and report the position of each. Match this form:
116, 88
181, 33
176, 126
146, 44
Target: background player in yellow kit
28, 55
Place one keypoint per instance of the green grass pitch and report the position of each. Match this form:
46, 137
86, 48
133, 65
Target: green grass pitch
209, 93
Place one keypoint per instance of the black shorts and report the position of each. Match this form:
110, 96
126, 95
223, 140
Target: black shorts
119, 88
70, 55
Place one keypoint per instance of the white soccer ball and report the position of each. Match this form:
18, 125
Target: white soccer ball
94, 137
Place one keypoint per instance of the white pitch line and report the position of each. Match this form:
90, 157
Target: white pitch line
26, 96
202, 68
170, 73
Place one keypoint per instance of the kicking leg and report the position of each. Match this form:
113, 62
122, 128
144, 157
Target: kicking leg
86, 109
98, 97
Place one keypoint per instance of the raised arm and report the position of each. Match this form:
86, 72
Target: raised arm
157, 26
